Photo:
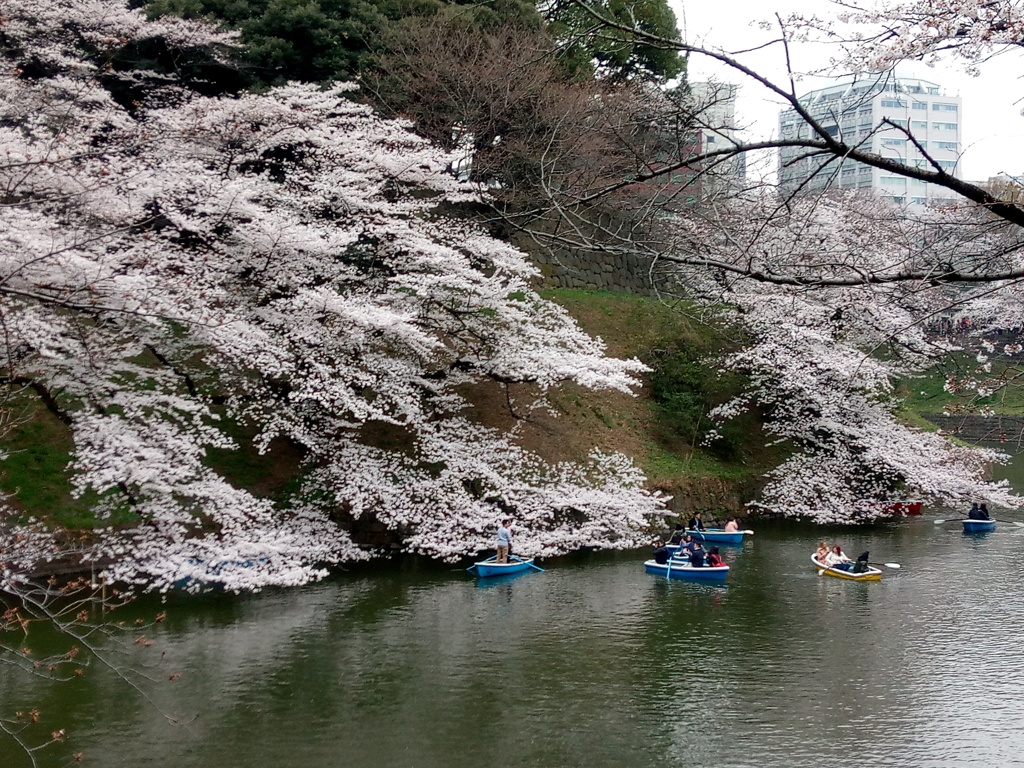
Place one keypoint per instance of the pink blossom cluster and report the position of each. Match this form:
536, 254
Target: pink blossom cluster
277, 260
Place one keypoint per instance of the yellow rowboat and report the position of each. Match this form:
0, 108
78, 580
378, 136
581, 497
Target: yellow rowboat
871, 574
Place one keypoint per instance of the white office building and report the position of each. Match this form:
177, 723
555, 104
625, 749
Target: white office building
715, 124
907, 119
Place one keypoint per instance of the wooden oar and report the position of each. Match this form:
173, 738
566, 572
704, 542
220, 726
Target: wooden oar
991, 519
894, 566
489, 559
520, 560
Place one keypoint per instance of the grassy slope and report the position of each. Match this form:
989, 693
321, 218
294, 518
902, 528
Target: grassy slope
926, 393
630, 326
639, 327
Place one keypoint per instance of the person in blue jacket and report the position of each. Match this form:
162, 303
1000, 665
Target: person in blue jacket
697, 555
504, 541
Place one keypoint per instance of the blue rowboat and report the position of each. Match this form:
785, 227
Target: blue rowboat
719, 536
677, 569
489, 568
979, 526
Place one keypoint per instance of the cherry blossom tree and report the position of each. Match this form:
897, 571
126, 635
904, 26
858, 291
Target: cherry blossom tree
173, 261
832, 290
877, 36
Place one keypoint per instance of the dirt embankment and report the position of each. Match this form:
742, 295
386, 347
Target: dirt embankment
580, 419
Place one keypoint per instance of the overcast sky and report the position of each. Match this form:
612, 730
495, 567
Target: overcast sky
991, 121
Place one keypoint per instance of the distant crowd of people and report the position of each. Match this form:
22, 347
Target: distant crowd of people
948, 326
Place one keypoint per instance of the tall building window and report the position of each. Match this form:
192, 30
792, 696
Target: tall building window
894, 142
894, 103
946, 165
944, 126
945, 144
918, 125
936, 107
920, 105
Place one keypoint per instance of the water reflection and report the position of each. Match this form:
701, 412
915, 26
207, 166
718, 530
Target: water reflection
497, 581
592, 663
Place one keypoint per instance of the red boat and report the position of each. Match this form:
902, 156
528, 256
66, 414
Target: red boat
904, 508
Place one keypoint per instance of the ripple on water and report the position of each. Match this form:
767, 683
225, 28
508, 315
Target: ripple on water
596, 664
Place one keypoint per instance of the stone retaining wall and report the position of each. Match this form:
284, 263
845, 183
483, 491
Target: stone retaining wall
622, 273
973, 428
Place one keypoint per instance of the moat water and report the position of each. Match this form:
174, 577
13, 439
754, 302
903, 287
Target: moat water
592, 663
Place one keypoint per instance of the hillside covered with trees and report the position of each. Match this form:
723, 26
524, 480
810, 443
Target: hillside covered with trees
302, 240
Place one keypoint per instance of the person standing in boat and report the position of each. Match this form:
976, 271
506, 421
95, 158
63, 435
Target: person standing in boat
504, 542
696, 524
731, 526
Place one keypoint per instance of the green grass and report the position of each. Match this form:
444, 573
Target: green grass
274, 474
660, 462
35, 474
680, 389
926, 393
627, 323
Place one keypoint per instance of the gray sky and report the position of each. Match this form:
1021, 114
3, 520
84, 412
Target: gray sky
991, 121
